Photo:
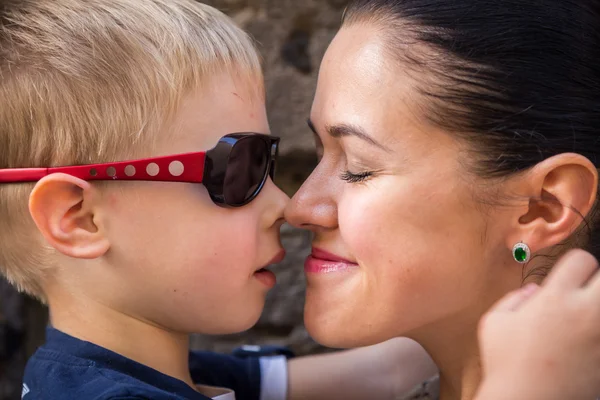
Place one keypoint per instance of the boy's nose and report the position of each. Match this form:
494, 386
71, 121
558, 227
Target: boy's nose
276, 202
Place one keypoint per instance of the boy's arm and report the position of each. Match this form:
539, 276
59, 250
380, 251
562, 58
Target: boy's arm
381, 371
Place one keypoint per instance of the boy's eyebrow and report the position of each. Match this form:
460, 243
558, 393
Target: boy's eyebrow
341, 130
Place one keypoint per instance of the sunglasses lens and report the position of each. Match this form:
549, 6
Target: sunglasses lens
246, 170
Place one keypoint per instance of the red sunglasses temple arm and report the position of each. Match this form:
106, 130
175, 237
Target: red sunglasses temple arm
22, 174
187, 167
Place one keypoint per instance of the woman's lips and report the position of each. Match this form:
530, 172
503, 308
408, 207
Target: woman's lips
322, 262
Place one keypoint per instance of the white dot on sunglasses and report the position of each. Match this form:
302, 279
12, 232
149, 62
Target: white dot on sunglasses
176, 168
130, 170
152, 169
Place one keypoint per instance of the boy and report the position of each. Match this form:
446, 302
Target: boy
172, 233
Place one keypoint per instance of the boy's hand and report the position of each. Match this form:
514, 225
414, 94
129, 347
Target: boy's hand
544, 343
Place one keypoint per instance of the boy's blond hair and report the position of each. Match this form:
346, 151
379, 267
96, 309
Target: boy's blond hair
89, 81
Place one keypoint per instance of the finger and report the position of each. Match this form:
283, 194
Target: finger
594, 283
572, 271
514, 299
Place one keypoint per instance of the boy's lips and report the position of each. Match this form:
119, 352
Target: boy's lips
278, 258
268, 277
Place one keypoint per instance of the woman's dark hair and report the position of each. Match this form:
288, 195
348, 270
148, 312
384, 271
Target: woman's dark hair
519, 79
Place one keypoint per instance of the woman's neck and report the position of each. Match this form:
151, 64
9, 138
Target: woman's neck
138, 340
454, 348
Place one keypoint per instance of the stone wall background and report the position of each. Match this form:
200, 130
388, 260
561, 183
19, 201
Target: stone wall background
292, 37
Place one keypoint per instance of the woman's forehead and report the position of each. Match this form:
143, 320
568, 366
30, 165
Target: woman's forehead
357, 55
359, 86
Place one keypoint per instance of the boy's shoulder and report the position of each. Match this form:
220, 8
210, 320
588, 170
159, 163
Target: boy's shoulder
68, 368
47, 378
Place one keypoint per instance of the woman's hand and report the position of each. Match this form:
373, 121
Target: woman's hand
544, 343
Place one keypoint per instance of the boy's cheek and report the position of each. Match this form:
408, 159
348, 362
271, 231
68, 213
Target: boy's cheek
217, 248
184, 239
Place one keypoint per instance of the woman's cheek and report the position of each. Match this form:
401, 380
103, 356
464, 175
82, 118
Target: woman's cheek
366, 225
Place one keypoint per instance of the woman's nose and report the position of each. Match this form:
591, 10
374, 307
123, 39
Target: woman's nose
314, 206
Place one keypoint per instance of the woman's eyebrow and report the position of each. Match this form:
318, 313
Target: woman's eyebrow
342, 130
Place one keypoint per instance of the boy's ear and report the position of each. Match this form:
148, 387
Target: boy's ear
62, 208
562, 189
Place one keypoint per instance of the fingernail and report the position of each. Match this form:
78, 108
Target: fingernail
530, 288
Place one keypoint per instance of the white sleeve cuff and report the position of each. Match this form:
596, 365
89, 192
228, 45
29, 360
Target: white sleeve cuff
273, 378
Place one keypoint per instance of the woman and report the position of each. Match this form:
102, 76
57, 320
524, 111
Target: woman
460, 154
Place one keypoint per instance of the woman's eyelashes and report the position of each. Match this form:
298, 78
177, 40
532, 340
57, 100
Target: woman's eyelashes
356, 177
346, 175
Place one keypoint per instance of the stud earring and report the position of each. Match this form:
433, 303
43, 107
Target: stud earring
521, 253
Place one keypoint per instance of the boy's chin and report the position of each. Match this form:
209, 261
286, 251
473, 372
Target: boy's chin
232, 323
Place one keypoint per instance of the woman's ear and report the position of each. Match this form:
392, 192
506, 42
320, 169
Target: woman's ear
62, 207
562, 191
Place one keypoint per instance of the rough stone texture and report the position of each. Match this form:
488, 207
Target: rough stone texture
292, 36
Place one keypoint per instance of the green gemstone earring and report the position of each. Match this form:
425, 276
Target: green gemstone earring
521, 253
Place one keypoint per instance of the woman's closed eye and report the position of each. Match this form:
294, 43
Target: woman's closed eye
356, 177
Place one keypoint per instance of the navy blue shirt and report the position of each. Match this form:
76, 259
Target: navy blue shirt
72, 369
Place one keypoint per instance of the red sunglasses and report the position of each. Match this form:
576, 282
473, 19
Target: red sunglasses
233, 172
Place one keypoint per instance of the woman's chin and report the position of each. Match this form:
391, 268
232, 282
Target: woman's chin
335, 330
332, 338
